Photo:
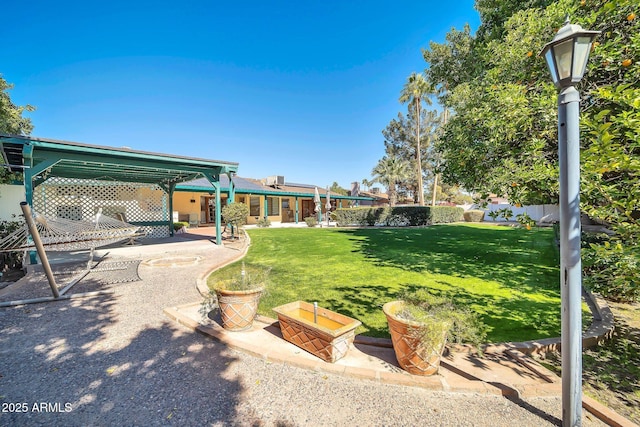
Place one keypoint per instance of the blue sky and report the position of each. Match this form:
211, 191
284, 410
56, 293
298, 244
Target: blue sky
301, 89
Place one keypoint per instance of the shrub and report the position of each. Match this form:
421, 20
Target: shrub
611, 268
494, 215
525, 220
10, 260
474, 215
506, 213
463, 325
263, 223
353, 216
235, 214
178, 225
408, 216
446, 214
397, 216
311, 221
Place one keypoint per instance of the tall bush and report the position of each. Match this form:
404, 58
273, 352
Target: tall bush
235, 214
397, 216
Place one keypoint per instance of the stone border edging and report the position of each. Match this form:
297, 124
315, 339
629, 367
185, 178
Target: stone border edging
434, 382
601, 329
605, 414
201, 280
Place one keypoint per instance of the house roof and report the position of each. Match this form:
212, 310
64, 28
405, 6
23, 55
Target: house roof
256, 186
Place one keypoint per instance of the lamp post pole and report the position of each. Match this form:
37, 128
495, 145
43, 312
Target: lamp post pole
570, 263
567, 56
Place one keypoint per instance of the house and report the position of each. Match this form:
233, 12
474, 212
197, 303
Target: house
75, 181
272, 198
377, 197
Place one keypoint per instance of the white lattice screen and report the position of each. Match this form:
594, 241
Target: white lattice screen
80, 199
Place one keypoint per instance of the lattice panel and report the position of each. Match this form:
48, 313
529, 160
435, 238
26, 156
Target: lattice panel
80, 199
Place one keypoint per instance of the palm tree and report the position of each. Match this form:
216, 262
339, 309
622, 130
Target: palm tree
366, 183
390, 171
416, 90
445, 119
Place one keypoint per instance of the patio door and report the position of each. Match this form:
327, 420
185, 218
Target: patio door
308, 209
287, 213
209, 208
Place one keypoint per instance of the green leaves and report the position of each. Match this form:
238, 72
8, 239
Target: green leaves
503, 135
11, 120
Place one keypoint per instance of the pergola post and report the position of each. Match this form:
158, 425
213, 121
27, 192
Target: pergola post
216, 185
232, 189
172, 187
266, 207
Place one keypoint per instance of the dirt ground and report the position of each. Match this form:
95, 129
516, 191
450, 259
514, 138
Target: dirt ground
611, 371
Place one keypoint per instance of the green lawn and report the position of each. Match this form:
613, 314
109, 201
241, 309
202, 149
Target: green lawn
508, 275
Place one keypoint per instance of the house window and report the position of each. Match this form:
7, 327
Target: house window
273, 206
254, 206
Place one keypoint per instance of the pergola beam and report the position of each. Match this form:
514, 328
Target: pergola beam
43, 158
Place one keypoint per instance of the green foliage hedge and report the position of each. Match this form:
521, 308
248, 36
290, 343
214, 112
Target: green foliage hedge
474, 215
178, 225
263, 223
397, 216
10, 260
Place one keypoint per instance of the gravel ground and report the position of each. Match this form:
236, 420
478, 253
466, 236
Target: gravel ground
117, 360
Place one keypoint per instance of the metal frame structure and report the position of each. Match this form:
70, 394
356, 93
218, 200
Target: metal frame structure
39, 159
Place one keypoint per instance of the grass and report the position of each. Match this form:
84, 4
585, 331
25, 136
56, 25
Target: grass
509, 276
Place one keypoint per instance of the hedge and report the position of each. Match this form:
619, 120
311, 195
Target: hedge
178, 225
474, 215
397, 216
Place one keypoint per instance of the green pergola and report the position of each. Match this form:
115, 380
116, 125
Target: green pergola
40, 158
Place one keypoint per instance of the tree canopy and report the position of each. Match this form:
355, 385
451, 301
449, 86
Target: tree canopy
416, 91
502, 135
11, 118
12, 121
390, 172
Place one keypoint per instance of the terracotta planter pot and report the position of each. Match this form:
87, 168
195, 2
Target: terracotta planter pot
238, 308
328, 337
414, 354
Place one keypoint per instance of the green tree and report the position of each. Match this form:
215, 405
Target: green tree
400, 141
390, 171
494, 14
453, 62
12, 121
336, 189
366, 183
235, 214
502, 136
416, 90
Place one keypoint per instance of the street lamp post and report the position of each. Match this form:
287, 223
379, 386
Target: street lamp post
567, 56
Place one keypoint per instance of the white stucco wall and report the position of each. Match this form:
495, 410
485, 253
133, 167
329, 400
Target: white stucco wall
10, 198
550, 212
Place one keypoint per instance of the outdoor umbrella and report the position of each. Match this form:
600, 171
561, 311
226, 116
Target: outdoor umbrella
318, 203
328, 205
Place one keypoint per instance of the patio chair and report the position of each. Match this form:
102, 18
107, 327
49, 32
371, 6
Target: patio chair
194, 220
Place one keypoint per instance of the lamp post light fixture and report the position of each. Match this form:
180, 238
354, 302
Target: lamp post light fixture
567, 56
